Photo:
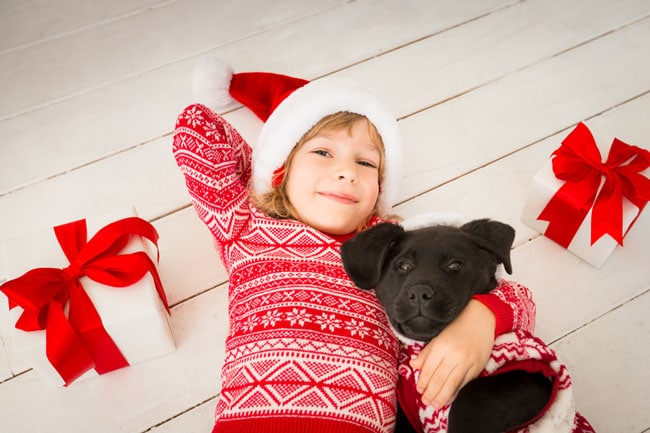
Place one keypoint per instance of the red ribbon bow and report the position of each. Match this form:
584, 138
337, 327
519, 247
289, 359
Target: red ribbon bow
579, 163
79, 342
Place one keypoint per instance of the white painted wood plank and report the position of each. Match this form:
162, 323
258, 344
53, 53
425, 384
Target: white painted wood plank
12, 364
469, 56
118, 49
146, 177
198, 419
608, 361
135, 398
478, 127
32, 21
511, 113
5, 370
189, 263
92, 126
106, 120
569, 292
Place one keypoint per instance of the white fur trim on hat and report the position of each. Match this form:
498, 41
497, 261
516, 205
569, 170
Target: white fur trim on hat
433, 218
303, 108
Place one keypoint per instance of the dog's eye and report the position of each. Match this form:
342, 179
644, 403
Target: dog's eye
454, 265
403, 267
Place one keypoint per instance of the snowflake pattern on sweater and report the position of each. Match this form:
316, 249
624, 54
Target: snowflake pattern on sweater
306, 351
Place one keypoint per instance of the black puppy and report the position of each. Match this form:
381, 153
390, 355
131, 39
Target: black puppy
424, 278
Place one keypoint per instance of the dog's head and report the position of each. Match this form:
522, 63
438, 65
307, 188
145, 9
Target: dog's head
425, 277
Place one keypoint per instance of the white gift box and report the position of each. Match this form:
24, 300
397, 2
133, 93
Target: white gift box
134, 316
542, 188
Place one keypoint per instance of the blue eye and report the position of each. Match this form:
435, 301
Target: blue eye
367, 164
321, 152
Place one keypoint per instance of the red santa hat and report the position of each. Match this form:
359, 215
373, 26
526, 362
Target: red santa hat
289, 107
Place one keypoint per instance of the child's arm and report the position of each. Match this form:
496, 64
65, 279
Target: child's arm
215, 160
513, 306
459, 353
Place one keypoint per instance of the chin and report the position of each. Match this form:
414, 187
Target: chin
337, 229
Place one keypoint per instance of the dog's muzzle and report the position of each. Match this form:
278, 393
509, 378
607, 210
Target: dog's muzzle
424, 312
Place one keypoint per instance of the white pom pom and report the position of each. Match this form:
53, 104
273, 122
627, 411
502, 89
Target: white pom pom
210, 83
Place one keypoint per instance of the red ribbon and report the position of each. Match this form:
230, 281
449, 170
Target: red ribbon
579, 163
79, 342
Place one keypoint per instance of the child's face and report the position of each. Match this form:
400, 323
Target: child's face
333, 179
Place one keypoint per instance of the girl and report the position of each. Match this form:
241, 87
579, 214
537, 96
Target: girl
306, 350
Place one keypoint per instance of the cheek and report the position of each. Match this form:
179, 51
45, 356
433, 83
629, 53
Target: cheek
375, 190
302, 170
371, 185
299, 187
294, 191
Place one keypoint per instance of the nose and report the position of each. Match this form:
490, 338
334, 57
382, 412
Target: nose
346, 172
420, 294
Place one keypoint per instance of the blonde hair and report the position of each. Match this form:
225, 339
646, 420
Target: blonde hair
276, 203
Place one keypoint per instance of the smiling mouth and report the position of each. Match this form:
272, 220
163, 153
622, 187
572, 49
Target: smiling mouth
339, 198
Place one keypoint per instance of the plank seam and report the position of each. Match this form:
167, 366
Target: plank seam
130, 76
87, 26
612, 309
520, 149
189, 409
523, 68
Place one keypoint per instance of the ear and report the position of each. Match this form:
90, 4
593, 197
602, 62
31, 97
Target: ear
494, 236
364, 255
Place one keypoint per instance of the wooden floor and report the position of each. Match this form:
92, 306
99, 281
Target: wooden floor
485, 90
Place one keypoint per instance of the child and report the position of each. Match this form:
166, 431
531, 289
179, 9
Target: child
307, 351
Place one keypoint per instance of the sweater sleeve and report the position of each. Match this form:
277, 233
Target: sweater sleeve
215, 161
513, 306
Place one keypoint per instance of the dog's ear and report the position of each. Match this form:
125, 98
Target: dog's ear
364, 255
493, 236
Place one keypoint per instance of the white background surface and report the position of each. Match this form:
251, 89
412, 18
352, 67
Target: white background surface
485, 90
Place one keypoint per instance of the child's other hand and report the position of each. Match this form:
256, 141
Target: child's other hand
456, 356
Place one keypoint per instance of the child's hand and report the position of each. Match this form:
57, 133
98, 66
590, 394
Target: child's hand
456, 356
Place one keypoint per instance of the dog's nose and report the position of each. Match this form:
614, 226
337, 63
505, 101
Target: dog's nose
420, 294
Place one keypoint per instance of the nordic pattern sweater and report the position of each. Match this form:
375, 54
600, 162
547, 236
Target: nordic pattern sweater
306, 350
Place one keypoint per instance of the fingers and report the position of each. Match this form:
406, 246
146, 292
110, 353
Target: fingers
442, 374
440, 380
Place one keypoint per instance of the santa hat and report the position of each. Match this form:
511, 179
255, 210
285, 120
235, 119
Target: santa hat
290, 107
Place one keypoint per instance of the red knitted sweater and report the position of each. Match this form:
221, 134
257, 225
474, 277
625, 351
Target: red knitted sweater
306, 351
